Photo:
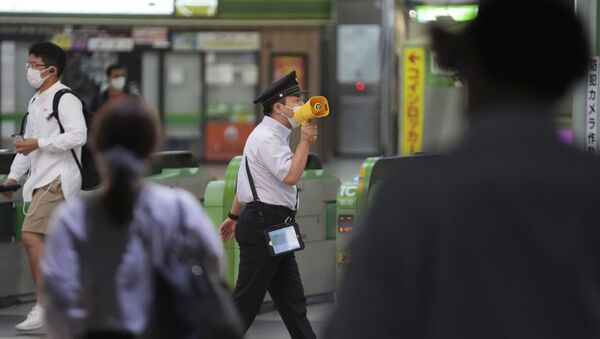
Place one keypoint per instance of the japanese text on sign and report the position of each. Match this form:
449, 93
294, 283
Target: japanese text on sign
591, 117
412, 100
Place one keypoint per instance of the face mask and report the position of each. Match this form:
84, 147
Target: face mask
117, 83
291, 119
34, 77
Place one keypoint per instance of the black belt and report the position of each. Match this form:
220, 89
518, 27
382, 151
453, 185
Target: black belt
256, 200
282, 209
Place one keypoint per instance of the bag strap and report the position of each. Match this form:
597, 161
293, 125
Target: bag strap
24, 120
54, 115
251, 180
23, 124
253, 188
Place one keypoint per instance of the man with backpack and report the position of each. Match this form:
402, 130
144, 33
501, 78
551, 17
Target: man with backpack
46, 147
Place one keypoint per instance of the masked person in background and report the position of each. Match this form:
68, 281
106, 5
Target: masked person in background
274, 171
117, 87
46, 153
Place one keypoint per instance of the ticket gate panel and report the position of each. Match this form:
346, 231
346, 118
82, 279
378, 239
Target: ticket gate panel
312, 228
16, 278
354, 198
193, 180
317, 267
217, 212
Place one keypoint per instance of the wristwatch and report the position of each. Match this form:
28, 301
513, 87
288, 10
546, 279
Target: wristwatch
232, 216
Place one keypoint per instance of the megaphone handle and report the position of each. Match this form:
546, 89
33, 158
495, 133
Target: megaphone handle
313, 138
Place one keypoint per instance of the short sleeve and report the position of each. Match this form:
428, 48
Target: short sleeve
276, 156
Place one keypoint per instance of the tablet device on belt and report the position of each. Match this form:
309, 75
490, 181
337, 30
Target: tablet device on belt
283, 238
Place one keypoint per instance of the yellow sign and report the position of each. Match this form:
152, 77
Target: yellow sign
62, 40
412, 100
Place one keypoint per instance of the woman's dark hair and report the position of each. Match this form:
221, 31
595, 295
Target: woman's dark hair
131, 127
51, 54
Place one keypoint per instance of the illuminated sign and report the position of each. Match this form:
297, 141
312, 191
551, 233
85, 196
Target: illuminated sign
345, 223
116, 7
431, 13
195, 8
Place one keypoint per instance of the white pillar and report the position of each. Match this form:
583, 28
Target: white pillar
8, 83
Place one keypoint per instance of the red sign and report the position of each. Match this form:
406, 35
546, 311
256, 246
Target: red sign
283, 64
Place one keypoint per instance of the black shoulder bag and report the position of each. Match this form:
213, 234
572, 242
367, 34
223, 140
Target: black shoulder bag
282, 238
193, 301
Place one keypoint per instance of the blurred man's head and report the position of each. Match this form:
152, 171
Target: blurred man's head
523, 50
115, 74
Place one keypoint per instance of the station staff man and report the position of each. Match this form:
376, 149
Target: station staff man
275, 171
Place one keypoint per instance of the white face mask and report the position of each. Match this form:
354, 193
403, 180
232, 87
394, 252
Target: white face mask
291, 119
34, 77
117, 83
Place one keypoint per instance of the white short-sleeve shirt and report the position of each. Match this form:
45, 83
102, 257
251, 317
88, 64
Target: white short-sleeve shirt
269, 157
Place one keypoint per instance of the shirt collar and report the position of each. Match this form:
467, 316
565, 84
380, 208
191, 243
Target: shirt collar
51, 89
278, 127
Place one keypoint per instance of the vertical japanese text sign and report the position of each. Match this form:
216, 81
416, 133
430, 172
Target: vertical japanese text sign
591, 117
412, 100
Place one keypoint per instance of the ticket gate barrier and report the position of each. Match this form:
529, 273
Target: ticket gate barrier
354, 198
316, 217
172, 168
179, 169
218, 199
15, 279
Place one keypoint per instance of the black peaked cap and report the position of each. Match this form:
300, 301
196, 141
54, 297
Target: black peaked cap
288, 85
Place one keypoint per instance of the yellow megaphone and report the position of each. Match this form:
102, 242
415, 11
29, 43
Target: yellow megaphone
314, 108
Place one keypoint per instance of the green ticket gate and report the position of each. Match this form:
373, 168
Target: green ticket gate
179, 169
316, 217
218, 199
172, 168
354, 197
15, 277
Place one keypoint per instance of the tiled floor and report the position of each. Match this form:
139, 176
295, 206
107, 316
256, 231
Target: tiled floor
266, 326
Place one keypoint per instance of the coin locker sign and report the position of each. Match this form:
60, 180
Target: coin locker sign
413, 90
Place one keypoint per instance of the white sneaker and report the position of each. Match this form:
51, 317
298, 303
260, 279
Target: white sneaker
35, 319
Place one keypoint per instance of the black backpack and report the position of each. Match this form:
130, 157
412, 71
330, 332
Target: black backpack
90, 178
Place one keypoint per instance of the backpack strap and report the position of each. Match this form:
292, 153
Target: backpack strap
23, 124
54, 115
24, 120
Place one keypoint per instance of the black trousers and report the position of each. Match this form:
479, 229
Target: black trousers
259, 273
